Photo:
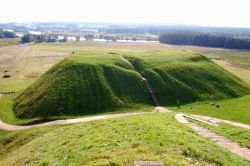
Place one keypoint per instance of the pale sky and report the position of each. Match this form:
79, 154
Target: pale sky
229, 13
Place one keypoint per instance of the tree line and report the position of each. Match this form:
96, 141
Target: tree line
7, 34
27, 38
202, 39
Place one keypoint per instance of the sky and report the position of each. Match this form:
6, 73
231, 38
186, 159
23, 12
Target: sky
226, 13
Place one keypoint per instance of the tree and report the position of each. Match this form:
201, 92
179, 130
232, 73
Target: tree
40, 38
202, 39
89, 36
27, 38
52, 38
78, 38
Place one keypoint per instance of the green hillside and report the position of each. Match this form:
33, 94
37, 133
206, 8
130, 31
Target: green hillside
87, 84
80, 85
114, 142
185, 76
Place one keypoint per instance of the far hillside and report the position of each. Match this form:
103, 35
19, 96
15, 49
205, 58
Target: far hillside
96, 83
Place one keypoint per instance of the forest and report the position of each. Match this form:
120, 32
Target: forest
203, 39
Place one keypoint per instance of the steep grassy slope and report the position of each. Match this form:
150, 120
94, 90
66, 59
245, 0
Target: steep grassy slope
90, 83
185, 76
116, 142
80, 85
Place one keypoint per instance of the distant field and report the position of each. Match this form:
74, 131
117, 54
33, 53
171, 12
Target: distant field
8, 42
241, 72
238, 58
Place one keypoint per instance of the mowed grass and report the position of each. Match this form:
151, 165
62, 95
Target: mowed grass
186, 77
236, 134
237, 109
152, 137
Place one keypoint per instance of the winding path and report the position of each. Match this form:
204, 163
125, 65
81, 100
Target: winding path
10, 127
221, 141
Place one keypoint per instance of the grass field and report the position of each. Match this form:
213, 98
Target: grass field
236, 134
156, 137
237, 109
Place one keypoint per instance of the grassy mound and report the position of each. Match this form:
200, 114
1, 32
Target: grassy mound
185, 76
80, 85
90, 84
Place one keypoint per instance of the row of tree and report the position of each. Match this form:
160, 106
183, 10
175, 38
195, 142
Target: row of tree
7, 34
50, 38
41, 38
201, 39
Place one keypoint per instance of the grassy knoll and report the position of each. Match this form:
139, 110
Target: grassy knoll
237, 109
114, 142
83, 84
185, 76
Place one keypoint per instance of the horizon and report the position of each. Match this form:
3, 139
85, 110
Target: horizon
158, 12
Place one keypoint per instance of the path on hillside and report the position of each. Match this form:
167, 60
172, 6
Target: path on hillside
220, 140
10, 127
146, 83
216, 121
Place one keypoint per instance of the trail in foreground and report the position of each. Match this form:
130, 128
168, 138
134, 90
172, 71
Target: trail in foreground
221, 141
